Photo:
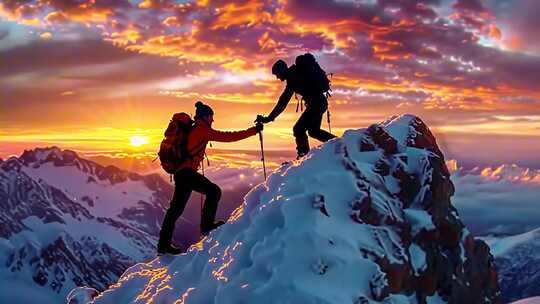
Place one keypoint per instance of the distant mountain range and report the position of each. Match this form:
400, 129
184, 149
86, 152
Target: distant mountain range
66, 221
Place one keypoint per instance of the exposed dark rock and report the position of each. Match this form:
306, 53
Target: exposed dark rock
458, 267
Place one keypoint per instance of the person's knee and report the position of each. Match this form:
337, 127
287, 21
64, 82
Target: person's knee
299, 130
214, 192
313, 132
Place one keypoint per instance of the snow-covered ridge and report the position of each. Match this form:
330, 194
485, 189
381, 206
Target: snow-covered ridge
365, 218
54, 156
518, 264
501, 245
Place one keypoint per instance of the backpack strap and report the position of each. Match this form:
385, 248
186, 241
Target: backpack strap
207, 159
197, 149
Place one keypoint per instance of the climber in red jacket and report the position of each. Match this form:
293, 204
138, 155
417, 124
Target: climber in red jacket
187, 179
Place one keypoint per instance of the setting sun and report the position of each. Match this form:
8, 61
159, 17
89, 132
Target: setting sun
138, 140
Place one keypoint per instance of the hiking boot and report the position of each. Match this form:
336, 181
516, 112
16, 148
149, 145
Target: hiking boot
168, 249
300, 155
205, 230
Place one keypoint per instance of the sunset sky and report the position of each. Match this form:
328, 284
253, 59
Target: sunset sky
105, 76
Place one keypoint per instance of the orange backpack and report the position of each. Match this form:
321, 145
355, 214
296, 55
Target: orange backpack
172, 151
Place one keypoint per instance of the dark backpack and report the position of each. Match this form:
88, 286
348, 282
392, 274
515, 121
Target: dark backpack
312, 79
173, 149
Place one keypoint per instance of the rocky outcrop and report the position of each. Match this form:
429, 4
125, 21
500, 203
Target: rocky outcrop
458, 267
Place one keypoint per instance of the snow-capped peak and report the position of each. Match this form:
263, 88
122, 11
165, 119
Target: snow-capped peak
365, 218
44, 154
44, 159
67, 221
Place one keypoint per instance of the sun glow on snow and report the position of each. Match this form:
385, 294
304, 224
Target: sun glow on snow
138, 140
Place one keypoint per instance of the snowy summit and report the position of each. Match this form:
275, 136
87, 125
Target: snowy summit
365, 218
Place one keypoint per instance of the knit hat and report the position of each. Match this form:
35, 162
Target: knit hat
202, 110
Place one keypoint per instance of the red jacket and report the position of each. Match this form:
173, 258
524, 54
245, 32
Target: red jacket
201, 134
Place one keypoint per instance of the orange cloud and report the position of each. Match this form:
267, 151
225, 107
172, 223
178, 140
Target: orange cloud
171, 21
183, 46
125, 37
236, 65
235, 14
265, 42
56, 17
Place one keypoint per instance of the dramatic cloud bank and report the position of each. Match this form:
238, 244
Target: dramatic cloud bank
438, 52
502, 200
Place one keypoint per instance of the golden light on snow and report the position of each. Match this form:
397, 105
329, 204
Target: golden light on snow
138, 140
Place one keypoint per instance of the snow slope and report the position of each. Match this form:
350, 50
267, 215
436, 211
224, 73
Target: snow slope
535, 300
518, 262
365, 218
503, 245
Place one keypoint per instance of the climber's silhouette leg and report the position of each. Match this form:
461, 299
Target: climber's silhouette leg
310, 122
182, 192
212, 194
299, 132
188, 180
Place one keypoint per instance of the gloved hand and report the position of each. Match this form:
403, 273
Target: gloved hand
263, 119
259, 126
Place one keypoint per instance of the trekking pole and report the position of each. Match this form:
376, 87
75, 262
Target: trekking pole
258, 120
328, 95
262, 154
328, 120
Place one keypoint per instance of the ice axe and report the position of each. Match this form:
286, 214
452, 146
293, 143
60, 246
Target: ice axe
259, 121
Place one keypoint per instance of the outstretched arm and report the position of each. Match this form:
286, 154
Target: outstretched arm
282, 102
224, 136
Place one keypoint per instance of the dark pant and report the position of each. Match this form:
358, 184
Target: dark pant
310, 122
185, 181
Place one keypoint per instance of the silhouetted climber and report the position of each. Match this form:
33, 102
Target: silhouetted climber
306, 78
181, 153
